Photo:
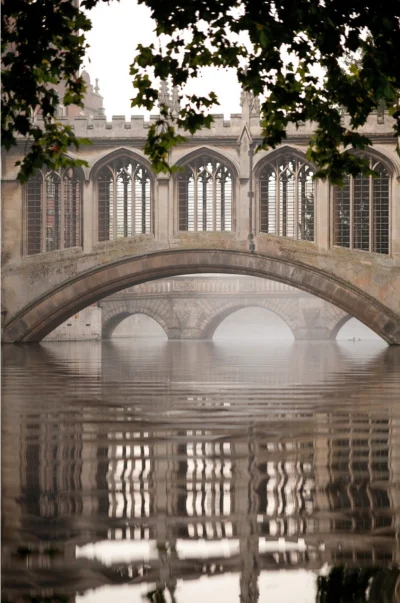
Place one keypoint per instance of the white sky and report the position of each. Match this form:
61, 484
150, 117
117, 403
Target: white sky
117, 29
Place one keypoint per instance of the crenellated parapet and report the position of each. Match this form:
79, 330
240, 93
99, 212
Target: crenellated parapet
378, 125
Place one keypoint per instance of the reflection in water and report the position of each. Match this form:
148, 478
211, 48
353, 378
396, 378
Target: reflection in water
174, 466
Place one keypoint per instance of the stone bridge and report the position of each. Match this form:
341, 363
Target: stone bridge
73, 238
193, 308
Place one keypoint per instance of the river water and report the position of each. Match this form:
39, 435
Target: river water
186, 471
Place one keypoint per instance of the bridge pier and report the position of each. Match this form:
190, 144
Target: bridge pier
180, 333
314, 334
301, 334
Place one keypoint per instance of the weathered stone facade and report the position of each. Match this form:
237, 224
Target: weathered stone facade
41, 291
83, 326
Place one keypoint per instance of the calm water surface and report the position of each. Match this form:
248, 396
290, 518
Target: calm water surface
200, 469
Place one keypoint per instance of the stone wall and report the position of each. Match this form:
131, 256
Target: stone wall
82, 326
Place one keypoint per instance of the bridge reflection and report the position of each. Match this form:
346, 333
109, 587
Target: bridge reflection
186, 467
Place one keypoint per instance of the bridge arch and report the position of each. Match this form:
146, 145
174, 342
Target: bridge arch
338, 326
214, 322
341, 322
44, 314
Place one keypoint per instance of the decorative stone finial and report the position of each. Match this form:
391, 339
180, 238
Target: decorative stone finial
250, 105
381, 111
164, 97
169, 97
175, 102
96, 88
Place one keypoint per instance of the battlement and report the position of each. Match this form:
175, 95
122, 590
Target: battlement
98, 127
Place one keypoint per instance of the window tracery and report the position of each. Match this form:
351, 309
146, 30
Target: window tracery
286, 190
124, 200
205, 196
53, 211
361, 211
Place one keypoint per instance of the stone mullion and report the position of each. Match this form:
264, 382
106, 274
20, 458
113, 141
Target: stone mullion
125, 201
284, 207
214, 203
195, 201
277, 201
204, 202
351, 216
114, 208
143, 201
324, 213
133, 201
89, 215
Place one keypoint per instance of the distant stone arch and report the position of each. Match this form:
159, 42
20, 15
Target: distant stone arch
119, 311
285, 311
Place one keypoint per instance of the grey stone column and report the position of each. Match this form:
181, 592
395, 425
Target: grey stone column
322, 215
89, 217
163, 206
12, 221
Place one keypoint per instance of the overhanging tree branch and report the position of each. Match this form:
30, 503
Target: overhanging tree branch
306, 59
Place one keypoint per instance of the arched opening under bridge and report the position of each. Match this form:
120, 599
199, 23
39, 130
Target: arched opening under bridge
252, 323
351, 329
136, 325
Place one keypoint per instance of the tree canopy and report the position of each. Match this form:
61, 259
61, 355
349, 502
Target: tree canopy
305, 59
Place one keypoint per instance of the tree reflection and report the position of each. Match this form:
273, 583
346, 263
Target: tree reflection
359, 584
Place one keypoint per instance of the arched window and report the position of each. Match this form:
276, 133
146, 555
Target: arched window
53, 210
361, 211
124, 200
287, 198
205, 194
